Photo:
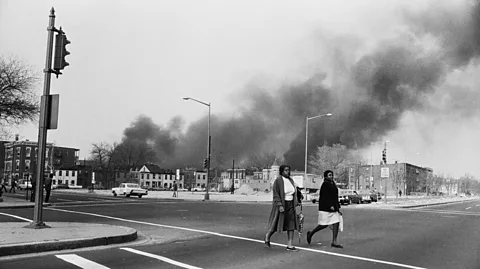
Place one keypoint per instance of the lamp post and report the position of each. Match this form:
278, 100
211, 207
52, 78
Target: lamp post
207, 195
306, 146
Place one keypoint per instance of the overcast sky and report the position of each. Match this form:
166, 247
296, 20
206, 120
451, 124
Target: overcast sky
142, 57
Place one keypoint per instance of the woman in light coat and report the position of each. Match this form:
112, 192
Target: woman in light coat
283, 216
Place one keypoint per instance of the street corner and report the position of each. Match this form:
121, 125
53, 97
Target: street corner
18, 239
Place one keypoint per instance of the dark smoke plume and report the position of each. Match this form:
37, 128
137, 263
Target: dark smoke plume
367, 98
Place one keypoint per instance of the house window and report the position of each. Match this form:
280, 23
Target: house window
73, 173
203, 176
142, 177
9, 152
66, 173
8, 166
29, 150
148, 176
60, 173
27, 165
17, 166
72, 182
18, 151
36, 152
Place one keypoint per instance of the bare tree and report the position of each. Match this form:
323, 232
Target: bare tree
336, 158
132, 153
102, 155
260, 160
18, 102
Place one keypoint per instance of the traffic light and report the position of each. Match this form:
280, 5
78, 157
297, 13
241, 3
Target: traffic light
384, 156
61, 42
205, 163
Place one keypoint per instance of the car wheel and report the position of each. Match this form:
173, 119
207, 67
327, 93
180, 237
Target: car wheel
128, 195
114, 194
139, 196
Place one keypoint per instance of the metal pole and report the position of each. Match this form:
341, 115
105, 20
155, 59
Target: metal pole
207, 195
306, 156
37, 222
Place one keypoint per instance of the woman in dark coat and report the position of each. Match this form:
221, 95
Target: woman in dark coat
283, 216
328, 209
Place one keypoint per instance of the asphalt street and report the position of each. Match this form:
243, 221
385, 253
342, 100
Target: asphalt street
193, 234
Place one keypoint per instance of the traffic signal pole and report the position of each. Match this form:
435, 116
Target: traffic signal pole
48, 112
37, 222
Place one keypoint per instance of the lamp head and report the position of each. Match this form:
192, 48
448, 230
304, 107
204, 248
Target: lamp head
186, 98
329, 114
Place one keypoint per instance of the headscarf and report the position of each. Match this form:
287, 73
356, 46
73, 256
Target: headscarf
325, 175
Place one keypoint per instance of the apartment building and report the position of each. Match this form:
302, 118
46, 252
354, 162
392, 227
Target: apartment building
20, 159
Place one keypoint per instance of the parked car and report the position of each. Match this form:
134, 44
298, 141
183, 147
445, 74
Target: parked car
375, 196
314, 197
198, 189
129, 189
24, 185
365, 196
343, 198
60, 186
354, 197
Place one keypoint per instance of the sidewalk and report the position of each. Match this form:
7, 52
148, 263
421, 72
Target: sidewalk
15, 239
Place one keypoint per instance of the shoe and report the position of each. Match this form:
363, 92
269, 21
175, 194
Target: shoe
267, 243
309, 238
292, 249
336, 246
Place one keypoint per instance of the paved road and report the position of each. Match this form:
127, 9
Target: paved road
182, 234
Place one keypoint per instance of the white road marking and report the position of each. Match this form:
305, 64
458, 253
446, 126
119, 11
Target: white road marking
452, 212
468, 208
80, 262
182, 210
477, 205
164, 259
17, 217
238, 237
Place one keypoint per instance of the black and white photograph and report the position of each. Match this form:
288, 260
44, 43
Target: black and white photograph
228, 134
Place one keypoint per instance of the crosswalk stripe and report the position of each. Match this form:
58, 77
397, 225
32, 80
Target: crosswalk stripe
80, 262
161, 258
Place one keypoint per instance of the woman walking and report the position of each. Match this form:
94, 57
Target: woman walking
328, 209
283, 216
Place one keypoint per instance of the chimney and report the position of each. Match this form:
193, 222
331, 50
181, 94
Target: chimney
16, 137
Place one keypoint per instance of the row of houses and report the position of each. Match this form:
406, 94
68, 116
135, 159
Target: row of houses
19, 162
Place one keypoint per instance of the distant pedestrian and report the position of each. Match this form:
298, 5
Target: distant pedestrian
34, 187
48, 187
175, 189
328, 209
283, 215
3, 187
232, 189
14, 185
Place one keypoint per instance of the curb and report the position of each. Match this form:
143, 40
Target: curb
23, 206
28, 248
439, 203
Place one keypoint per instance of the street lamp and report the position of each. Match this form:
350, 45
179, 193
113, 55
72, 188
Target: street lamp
306, 146
207, 195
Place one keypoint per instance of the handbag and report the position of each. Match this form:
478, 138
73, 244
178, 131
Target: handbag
299, 196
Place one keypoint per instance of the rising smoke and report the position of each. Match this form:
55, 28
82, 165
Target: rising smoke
368, 97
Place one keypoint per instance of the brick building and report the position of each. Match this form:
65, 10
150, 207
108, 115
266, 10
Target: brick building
406, 177
20, 157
